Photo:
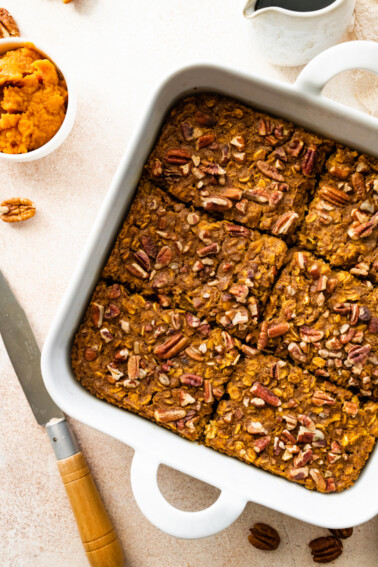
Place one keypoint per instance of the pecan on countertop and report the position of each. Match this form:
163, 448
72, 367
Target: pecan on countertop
325, 549
264, 537
17, 209
8, 26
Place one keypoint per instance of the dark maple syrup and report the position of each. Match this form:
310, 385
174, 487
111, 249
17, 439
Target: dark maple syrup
294, 5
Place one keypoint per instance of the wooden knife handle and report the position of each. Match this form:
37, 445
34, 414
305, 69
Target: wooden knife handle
97, 533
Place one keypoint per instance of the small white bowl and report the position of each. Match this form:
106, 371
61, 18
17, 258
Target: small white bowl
64, 130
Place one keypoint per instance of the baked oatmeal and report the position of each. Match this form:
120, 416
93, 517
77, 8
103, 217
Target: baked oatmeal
325, 320
215, 269
164, 364
200, 264
286, 421
226, 158
342, 222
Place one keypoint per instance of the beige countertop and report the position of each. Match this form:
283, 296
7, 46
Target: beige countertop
119, 50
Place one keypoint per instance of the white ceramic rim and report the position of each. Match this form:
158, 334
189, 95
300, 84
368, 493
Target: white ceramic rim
153, 444
303, 15
61, 135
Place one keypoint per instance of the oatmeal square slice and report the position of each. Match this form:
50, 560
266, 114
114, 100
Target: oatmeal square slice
325, 320
243, 165
342, 221
216, 269
164, 364
281, 418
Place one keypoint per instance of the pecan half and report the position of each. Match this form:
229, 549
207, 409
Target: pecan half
318, 478
97, 314
255, 427
149, 246
358, 182
322, 398
216, 204
137, 271
250, 352
194, 354
264, 127
351, 408
309, 160
177, 156
361, 231
208, 392
259, 195
205, 140
364, 313
233, 193
269, 170
143, 260
191, 380
172, 346
205, 119
296, 352
17, 209
354, 313
359, 354
265, 394
163, 258
334, 196
133, 367
264, 537
170, 414
208, 250
298, 473
343, 533
278, 329
285, 223
263, 336
186, 399
310, 335
261, 444
325, 549
237, 230
8, 26
303, 458
342, 308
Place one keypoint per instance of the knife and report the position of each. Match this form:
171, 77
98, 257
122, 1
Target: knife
97, 533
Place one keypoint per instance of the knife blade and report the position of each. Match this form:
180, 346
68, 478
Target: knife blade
25, 355
97, 533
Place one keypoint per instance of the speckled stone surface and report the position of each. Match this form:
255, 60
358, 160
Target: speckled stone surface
119, 51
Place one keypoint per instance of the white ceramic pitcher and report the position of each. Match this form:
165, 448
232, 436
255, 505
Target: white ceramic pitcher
289, 38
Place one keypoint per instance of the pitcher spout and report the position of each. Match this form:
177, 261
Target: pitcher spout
249, 9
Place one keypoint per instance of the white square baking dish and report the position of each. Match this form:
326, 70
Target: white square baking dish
238, 482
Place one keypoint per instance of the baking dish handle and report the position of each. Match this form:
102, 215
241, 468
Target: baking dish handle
342, 57
187, 525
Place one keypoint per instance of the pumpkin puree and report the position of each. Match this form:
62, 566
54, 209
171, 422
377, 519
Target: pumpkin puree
33, 100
